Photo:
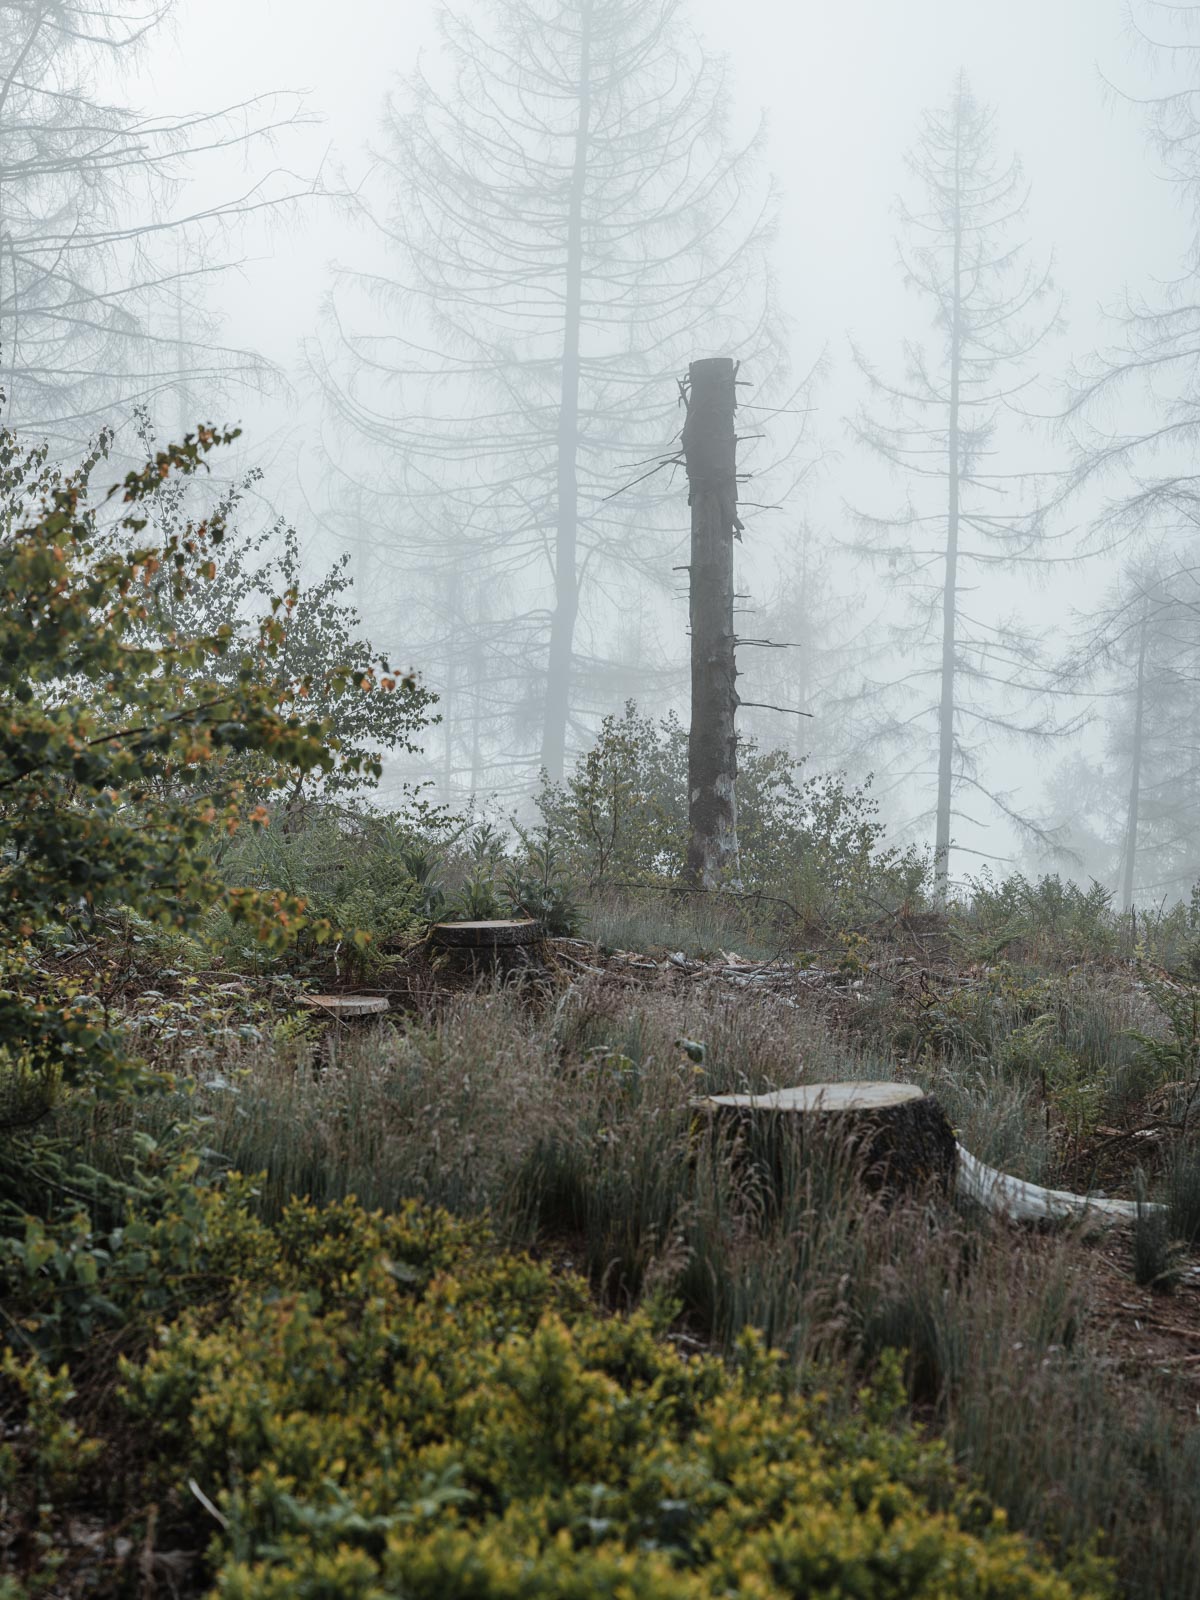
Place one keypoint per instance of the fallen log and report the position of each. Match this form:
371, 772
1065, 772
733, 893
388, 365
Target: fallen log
1019, 1201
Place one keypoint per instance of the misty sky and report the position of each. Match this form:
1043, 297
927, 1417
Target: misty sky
841, 86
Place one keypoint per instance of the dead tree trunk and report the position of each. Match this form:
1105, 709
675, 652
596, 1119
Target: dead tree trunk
709, 452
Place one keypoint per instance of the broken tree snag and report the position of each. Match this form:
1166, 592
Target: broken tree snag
709, 453
898, 1137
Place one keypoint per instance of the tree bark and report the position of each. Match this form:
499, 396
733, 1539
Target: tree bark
709, 448
566, 538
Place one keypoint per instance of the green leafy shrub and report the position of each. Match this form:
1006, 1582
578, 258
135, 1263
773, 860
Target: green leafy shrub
372, 874
537, 883
259, 577
1059, 919
41, 1475
814, 844
118, 754
182, 1240
403, 1410
125, 744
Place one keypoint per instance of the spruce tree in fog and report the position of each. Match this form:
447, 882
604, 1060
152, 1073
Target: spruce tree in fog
939, 428
1139, 655
102, 260
563, 224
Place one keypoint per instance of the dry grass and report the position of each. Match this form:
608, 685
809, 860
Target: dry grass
570, 1122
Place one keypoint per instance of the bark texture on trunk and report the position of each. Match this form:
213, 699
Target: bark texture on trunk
710, 451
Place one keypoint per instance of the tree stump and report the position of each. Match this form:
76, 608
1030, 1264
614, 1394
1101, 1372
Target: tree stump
348, 1016
898, 1137
505, 945
346, 1007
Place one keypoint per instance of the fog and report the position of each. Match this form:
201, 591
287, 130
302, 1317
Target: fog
836, 93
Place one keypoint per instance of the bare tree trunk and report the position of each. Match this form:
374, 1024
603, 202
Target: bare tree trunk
566, 574
709, 448
1135, 781
941, 847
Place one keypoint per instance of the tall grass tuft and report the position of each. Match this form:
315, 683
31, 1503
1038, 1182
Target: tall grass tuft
1183, 1192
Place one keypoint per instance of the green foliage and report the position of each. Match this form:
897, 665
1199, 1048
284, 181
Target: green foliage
373, 874
1176, 1058
123, 747
622, 817
1157, 1256
180, 1240
479, 897
1001, 1011
537, 884
316, 627
388, 1405
1064, 920
491, 876
45, 1470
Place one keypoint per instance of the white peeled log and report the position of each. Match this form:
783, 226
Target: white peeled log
1019, 1201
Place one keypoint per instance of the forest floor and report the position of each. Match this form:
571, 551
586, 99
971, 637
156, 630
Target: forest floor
555, 1103
1148, 1335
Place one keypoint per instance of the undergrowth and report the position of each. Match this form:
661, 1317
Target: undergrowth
570, 1123
355, 1405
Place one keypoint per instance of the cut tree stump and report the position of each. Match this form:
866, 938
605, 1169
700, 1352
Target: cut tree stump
900, 1135
905, 1140
505, 946
346, 1007
501, 935
350, 1014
